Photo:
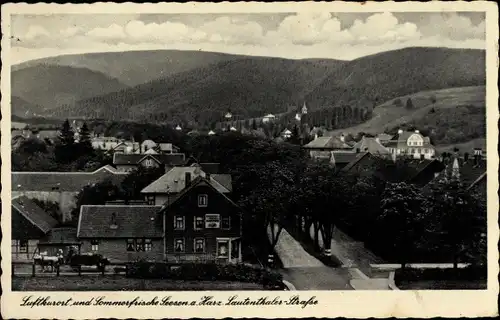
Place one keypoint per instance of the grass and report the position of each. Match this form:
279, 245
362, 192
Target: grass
120, 283
386, 116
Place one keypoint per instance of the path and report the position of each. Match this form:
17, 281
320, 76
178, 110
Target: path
356, 259
306, 272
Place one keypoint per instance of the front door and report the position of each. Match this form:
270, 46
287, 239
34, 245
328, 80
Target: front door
223, 249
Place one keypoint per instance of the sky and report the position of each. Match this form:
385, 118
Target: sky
343, 36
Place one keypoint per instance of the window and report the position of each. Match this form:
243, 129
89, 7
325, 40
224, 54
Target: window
130, 245
179, 245
148, 245
222, 248
212, 221
425, 150
199, 245
226, 223
139, 245
23, 246
202, 200
178, 223
94, 244
150, 199
198, 223
148, 162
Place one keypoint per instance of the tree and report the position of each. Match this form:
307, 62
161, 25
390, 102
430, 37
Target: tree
95, 194
85, 135
460, 218
51, 207
66, 135
409, 104
402, 217
32, 146
137, 180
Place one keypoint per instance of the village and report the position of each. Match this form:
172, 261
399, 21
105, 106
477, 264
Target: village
300, 203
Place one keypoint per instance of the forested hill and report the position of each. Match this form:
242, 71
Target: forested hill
255, 86
52, 86
135, 67
248, 87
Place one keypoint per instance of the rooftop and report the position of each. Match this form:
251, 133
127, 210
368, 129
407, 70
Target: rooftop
134, 159
119, 221
33, 213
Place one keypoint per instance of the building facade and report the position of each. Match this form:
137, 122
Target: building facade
411, 144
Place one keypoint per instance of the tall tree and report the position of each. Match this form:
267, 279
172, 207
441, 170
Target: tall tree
66, 135
403, 213
85, 135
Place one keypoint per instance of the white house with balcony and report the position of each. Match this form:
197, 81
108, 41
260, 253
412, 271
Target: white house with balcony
412, 144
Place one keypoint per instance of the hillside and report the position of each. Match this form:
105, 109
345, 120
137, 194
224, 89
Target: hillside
52, 86
339, 94
370, 80
457, 115
248, 87
23, 108
135, 67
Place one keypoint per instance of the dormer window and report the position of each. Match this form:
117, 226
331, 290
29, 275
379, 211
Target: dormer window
202, 200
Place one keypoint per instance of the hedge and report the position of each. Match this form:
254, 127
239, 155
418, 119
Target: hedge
468, 273
206, 272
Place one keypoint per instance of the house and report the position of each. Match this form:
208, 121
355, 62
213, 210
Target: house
18, 136
371, 145
30, 224
59, 239
125, 162
268, 118
320, 147
415, 171
202, 224
383, 138
211, 133
167, 188
286, 134
122, 232
60, 187
360, 163
167, 148
342, 159
411, 144
147, 144
126, 147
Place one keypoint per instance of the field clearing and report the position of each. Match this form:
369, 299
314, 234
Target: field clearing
463, 147
386, 116
17, 125
121, 283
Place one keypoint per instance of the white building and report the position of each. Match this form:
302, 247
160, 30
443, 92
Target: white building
413, 144
268, 118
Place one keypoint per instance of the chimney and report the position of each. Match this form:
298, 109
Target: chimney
188, 179
400, 131
416, 131
207, 176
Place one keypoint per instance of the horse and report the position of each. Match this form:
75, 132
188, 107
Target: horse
44, 260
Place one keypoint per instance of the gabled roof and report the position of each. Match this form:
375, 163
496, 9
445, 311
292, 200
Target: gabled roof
478, 180
327, 143
33, 213
198, 181
63, 181
61, 235
131, 222
347, 157
134, 158
354, 160
371, 145
174, 181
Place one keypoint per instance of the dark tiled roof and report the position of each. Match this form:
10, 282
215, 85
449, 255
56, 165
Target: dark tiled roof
33, 213
62, 181
371, 145
61, 235
131, 222
327, 143
347, 157
355, 160
199, 180
133, 158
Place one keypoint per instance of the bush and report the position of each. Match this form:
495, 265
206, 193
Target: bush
205, 272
